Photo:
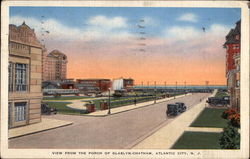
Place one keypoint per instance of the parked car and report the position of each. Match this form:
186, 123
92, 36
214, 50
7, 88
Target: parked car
175, 109
46, 109
219, 101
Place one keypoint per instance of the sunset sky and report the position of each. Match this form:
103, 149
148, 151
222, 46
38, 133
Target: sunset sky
146, 44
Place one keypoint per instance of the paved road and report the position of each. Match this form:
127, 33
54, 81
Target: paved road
111, 132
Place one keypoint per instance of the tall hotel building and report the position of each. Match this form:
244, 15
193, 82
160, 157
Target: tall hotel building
25, 76
55, 66
232, 46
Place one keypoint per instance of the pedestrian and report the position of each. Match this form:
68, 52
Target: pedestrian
135, 101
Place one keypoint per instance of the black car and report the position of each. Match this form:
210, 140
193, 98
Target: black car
46, 109
175, 109
172, 110
219, 101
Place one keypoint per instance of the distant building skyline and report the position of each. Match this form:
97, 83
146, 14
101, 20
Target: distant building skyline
148, 44
55, 66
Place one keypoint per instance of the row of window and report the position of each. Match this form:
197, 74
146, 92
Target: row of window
18, 77
19, 46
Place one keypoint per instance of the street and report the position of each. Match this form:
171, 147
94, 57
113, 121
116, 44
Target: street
122, 130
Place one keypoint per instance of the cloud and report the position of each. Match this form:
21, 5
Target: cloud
189, 17
55, 28
108, 23
96, 29
219, 29
182, 32
185, 33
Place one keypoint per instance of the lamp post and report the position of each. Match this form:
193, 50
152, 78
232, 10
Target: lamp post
155, 92
148, 88
142, 87
109, 102
175, 89
165, 90
185, 88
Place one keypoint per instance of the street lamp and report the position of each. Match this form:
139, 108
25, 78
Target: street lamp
155, 92
109, 102
165, 90
135, 99
185, 88
175, 89
148, 88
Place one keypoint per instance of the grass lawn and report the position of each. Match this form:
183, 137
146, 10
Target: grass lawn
210, 117
65, 98
198, 140
63, 109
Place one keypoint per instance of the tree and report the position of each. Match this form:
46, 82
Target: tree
230, 138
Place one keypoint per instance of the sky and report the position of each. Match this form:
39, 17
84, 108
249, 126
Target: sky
146, 44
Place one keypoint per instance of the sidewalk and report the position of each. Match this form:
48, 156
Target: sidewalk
204, 129
169, 134
44, 125
130, 107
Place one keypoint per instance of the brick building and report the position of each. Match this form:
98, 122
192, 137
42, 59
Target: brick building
25, 76
232, 46
55, 66
93, 85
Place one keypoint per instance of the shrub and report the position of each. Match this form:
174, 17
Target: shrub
228, 113
235, 120
230, 138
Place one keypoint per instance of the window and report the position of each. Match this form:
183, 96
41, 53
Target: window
10, 70
237, 83
237, 37
20, 111
21, 77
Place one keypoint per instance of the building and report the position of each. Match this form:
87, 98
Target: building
68, 84
232, 46
93, 85
25, 76
63, 84
55, 66
123, 84
44, 62
235, 85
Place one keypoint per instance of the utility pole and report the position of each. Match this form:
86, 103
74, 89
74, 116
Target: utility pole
175, 89
207, 82
142, 87
148, 87
165, 84
155, 92
185, 88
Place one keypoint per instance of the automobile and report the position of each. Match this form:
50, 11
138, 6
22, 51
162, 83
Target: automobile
175, 109
46, 109
172, 110
182, 107
219, 101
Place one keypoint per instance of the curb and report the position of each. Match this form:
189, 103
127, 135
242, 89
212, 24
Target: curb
39, 131
133, 108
